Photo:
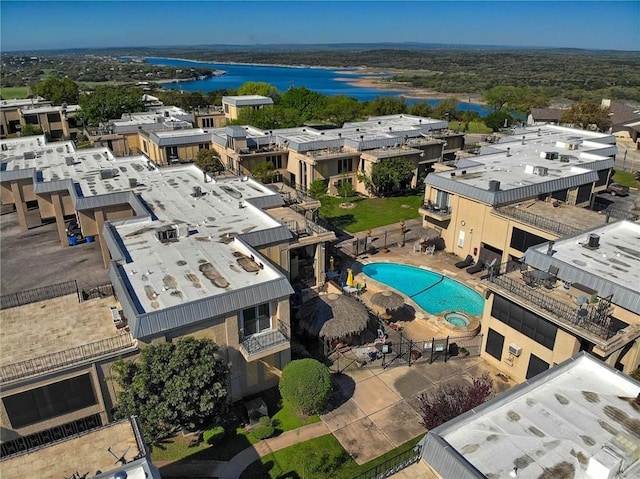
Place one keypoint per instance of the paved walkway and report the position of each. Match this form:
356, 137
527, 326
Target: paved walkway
233, 469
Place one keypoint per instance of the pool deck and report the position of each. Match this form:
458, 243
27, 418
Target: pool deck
417, 323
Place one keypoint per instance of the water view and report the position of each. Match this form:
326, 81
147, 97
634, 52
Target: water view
321, 80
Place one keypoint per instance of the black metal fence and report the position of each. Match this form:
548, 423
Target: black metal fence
38, 440
392, 465
39, 294
50, 362
102, 291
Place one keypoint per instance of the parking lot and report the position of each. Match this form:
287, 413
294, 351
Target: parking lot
34, 258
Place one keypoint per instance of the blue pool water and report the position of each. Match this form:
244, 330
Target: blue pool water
431, 291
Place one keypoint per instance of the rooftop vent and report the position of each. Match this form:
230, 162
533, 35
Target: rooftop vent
523, 139
133, 182
494, 185
108, 173
197, 192
29, 155
550, 155
167, 234
508, 151
540, 170
593, 242
68, 160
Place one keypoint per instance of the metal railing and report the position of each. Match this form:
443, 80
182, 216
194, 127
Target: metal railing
41, 439
68, 357
392, 465
592, 318
102, 291
538, 221
266, 340
39, 294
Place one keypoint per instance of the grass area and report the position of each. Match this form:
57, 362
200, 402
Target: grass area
12, 92
318, 458
474, 127
369, 213
236, 439
627, 179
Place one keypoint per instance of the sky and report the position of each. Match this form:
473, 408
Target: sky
604, 25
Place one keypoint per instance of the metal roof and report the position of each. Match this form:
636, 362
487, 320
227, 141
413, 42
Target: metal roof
180, 137
560, 419
611, 268
247, 100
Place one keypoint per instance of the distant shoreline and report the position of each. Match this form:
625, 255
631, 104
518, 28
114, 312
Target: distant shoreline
373, 83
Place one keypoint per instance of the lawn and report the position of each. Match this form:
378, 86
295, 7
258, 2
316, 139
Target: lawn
236, 439
369, 213
474, 127
12, 92
627, 179
318, 458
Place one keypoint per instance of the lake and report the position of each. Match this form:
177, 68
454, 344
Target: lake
322, 80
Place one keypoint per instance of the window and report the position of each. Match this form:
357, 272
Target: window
203, 146
256, 320
32, 205
442, 198
50, 401
31, 120
345, 165
226, 108
172, 152
144, 145
530, 324
523, 240
276, 161
207, 122
53, 117
536, 366
495, 343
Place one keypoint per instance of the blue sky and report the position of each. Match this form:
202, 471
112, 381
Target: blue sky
77, 24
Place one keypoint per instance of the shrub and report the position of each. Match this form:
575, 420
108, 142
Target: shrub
635, 374
214, 435
451, 401
318, 189
306, 384
264, 430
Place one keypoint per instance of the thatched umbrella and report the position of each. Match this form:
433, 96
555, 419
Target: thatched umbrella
387, 300
333, 317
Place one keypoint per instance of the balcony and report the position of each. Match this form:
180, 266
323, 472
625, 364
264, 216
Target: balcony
591, 320
432, 210
70, 357
264, 344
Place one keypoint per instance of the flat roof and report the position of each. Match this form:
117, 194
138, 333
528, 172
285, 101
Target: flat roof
535, 161
86, 453
245, 100
19, 102
612, 267
169, 274
59, 324
49, 109
550, 426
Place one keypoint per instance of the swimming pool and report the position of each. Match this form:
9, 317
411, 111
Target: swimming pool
431, 291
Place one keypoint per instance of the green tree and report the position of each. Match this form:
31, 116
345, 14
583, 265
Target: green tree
345, 188
385, 105
341, 109
109, 103
264, 172
306, 384
446, 109
421, 108
501, 96
498, 120
390, 174
209, 162
171, 386
31, 130
585, 113
58, 90
309, 104
268, 118
318, 189
258, 88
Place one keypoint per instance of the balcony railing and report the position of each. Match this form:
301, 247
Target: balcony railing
436, 211
72, 356
262, 342
594, 319
308, 228
537, 221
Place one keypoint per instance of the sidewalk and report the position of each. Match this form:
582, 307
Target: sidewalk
233, 469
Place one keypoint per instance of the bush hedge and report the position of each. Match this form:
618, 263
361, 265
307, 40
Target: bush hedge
264, 430
306, 384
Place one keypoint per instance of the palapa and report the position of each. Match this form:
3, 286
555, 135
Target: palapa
333, 316
387, 300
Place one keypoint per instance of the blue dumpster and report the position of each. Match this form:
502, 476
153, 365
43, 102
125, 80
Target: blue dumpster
72, 240
89, 239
